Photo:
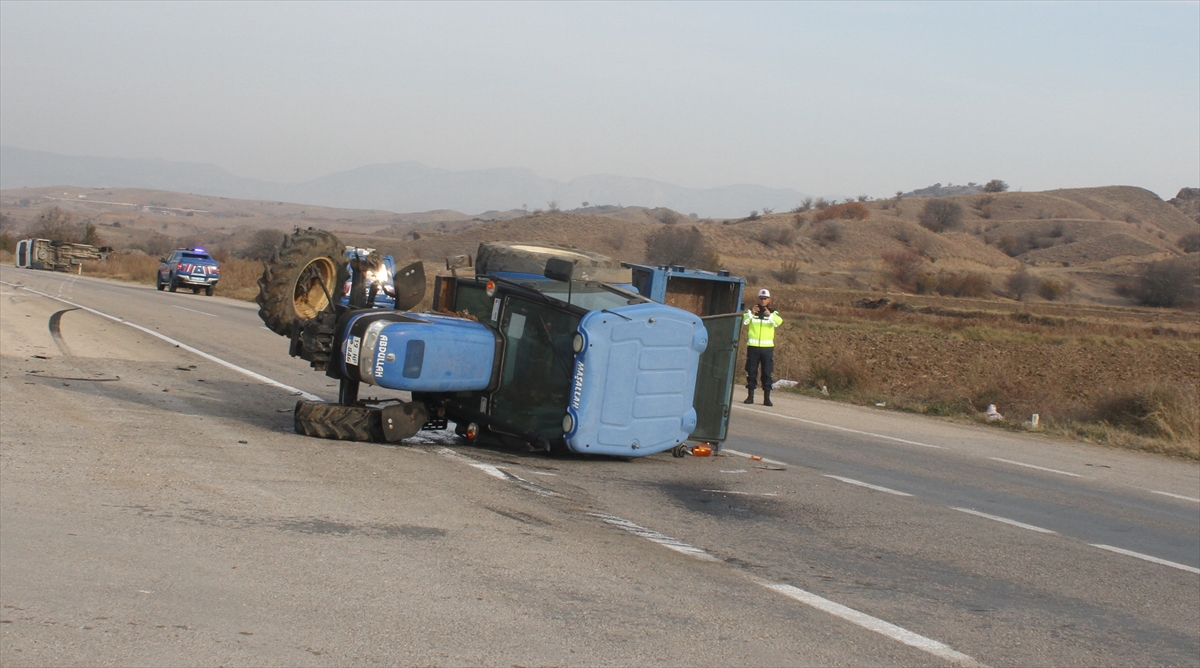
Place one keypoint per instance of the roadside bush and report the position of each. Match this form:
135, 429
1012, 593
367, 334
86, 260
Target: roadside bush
846, 211
805, 205
827, 232
940, 215
1190, 242
839, 374
1153, 411
821, 204
680, 244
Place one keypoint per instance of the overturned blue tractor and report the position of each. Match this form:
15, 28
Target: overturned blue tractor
547, 347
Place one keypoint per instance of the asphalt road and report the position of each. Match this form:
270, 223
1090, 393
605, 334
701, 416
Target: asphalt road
156, 509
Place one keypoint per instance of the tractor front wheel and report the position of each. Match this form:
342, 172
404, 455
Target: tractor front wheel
343, 423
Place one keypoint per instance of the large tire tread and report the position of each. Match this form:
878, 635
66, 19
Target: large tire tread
334, 421
277, 285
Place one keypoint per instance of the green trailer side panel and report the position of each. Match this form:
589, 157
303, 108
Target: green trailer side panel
714, 379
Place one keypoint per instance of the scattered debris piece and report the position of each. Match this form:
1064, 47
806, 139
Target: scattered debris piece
993, 414
785, 384
243, 442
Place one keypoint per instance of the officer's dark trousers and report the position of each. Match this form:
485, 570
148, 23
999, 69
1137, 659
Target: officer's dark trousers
756, 357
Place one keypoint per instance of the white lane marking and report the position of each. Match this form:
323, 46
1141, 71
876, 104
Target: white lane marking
212, 358
1139, 555
496, 472
1031, 466
934, 647
834, 426
1176, 496
184, 308
1005, 520
728, 491
868, 485
656, 537
750, 456
825, 605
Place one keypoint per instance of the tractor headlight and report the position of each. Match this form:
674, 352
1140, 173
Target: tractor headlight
577, 343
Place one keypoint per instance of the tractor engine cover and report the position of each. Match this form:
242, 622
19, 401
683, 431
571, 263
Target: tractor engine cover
424, 352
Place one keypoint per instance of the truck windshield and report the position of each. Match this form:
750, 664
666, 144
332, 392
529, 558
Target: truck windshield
535, 384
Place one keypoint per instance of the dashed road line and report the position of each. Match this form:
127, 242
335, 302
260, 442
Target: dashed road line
196, 351
1005, 520
1176, 496
934, 647
929, 645
497, 472
834, 426
860, 483
1139, 555
1031, 466
184, 308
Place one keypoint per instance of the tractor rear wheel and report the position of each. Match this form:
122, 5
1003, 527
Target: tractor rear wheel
302, 278
343, 423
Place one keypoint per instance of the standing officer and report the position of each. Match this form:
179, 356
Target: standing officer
760, 345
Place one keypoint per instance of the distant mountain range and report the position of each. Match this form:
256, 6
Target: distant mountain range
401, 187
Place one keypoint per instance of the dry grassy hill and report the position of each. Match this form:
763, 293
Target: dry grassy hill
1088, 238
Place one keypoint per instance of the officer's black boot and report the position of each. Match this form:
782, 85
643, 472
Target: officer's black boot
749, 396
767, 397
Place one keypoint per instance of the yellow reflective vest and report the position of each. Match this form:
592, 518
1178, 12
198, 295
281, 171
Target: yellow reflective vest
762, 328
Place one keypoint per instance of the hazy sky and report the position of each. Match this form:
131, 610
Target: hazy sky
853, 98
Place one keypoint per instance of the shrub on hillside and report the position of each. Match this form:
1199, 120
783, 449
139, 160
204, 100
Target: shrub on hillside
1052, 290
1190, 242
680, 244
940, 215
925, 283
1166, 284
1020, 283
903, 265
776, 236
788, 272
968, 284
827, 232
846, 211
995, 186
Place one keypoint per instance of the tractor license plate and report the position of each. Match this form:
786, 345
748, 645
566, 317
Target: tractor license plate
352, 347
